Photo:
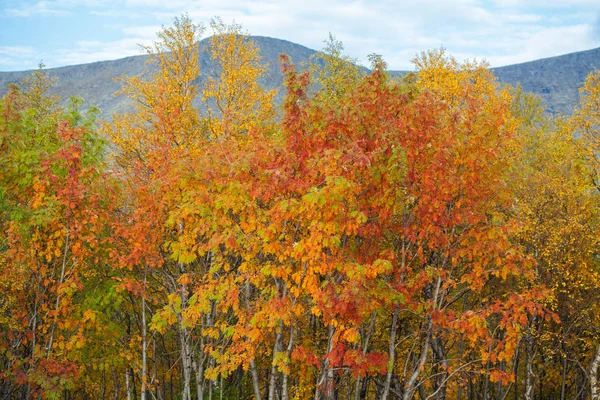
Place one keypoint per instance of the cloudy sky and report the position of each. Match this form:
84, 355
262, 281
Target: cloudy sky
64, 32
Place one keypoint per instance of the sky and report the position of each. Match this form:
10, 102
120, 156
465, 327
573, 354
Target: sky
503, 32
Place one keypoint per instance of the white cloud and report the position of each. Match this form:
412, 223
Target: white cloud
546, 3
86, 51
51, 8
399, 30
18, 56
17, 51
502, 31
548, 42
91, 51
143, 31
44, 8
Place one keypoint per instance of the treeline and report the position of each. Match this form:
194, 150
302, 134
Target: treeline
434, 237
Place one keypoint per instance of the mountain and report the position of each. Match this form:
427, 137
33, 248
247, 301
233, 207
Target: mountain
555, 79
97, 82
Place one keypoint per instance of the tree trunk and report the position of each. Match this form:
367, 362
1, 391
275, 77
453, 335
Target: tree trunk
358, 387
324, 388
198, 367
33, 340
411, 385
440, 355
276, 349
158, 394
253, 369
210, 318
57, 305
127, 384
594, 375
530, 374
115, 383
185, 337
517, 356
284, 387
391, 356
255, 380
563, 386
144, 344
186, 362
410, 388
284, 380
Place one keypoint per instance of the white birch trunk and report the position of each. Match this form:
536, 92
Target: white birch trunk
594, 375
391, 356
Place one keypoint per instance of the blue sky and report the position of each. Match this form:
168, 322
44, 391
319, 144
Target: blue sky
65, 32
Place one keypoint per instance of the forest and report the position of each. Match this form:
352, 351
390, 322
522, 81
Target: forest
430, 237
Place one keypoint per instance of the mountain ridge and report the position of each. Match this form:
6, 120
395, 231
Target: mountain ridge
555, 79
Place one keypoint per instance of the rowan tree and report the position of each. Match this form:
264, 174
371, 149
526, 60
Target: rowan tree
54, 216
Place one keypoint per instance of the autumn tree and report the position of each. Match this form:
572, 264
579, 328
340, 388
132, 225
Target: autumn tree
433, 236
216, 208
148, 142
584, 125
236, 102
442, 220
55, 216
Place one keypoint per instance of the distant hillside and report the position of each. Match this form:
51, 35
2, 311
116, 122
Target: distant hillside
96, 82
555, 79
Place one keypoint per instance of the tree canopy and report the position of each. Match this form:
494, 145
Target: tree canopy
431, 237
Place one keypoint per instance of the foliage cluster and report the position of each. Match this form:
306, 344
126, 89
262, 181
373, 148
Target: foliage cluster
432, 237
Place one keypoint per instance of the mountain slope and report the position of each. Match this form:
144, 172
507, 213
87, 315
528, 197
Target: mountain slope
97, 82
555, 79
